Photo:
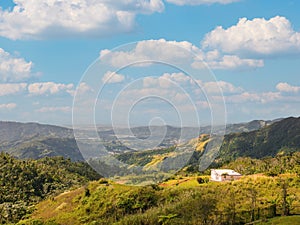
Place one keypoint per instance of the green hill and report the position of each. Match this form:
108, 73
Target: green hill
188, 202
281, 137
37, 148
33, 140
26, 182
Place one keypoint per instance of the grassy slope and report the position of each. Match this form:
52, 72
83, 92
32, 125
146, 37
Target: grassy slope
287, 220
109, 203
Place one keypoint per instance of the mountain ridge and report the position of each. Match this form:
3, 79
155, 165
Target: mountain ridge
34, 140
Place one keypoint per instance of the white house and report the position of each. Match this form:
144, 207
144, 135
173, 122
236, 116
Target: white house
224, 175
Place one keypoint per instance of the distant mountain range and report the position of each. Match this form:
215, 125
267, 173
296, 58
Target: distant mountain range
33, 140
273, 138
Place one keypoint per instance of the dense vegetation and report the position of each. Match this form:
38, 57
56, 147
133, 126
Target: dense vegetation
184, 199
269, 166
25, 182
281, 137
47, 147
183, 202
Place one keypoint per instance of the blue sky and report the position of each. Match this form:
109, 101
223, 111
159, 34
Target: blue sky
47, 46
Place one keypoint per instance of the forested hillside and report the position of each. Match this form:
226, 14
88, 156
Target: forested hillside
26, 182
281, 137
182, 200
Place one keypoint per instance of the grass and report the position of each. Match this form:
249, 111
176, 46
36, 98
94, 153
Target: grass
181, 182
285, 220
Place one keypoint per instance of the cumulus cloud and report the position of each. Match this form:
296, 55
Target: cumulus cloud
255, 37
177, 53
166, 80
13, 68
242, 46
12, 88
285, 87
201, 2
177, 77
217, 86
82, 88
170, 80
64, 109
112, 77
228, 62
8, 106
47, 88
56, 18
158, 50
248, 97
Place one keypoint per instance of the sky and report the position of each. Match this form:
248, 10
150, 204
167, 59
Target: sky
208, 61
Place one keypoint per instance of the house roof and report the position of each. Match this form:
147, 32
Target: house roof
226, 171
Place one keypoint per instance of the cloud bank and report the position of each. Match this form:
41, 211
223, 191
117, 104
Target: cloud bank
31, 19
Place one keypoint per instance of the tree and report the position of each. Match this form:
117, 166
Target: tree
285, 198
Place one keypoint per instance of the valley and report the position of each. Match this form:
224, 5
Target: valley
45, 181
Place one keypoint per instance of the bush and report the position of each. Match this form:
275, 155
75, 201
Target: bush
202, 180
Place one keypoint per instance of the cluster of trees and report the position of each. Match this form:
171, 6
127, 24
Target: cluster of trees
25, 182
280, 164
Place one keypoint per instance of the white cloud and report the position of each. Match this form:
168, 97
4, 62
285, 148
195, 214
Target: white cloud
247, 97
159, 50
178, 53
217, 86
200, 2
50, 88
57, 18
181, 97
258, 36
64, 109
166, 80
183, 81
8, 106
81, 89
150, 82
228, 62
12, 88
285, 87
84, 87
177, 77
13, 68
112, 77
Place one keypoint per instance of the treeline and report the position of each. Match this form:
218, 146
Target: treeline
25, 182
269, 166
